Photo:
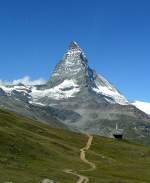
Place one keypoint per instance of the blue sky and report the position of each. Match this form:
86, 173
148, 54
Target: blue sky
114, 34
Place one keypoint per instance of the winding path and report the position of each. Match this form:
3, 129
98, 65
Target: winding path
82, 178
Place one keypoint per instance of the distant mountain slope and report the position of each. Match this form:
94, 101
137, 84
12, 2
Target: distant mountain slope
143, 106
31, 151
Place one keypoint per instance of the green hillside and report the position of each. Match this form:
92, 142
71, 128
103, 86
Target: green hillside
31, 151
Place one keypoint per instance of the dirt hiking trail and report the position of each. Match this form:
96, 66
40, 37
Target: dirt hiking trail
82, 178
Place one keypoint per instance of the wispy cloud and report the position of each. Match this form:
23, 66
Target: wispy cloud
25, 80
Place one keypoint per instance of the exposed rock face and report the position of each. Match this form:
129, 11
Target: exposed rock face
72, 77
2, 92
73, 66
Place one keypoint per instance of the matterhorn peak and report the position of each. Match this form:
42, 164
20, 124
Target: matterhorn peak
74, 52
74, 45
75, 75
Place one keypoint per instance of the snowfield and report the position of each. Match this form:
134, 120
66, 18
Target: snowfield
143, 106
67, 89
107, 89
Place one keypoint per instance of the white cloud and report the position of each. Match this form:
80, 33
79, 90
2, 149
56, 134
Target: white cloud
25, 80
4, 82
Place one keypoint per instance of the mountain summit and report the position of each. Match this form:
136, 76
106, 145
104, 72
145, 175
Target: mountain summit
72, 74
73, 66
74, 46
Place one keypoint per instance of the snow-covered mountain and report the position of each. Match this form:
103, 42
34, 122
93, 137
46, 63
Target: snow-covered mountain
72, 76
143, 106
78, 97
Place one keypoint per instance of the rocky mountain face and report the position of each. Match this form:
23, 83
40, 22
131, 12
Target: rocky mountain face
79, 98
72, 77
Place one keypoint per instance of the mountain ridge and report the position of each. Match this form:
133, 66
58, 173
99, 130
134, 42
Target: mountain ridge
74, 68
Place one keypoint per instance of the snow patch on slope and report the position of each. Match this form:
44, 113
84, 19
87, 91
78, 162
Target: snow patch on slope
107, 89
10, 88
7, 90
67, 89
143, 106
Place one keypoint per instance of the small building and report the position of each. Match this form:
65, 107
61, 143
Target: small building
118, 133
